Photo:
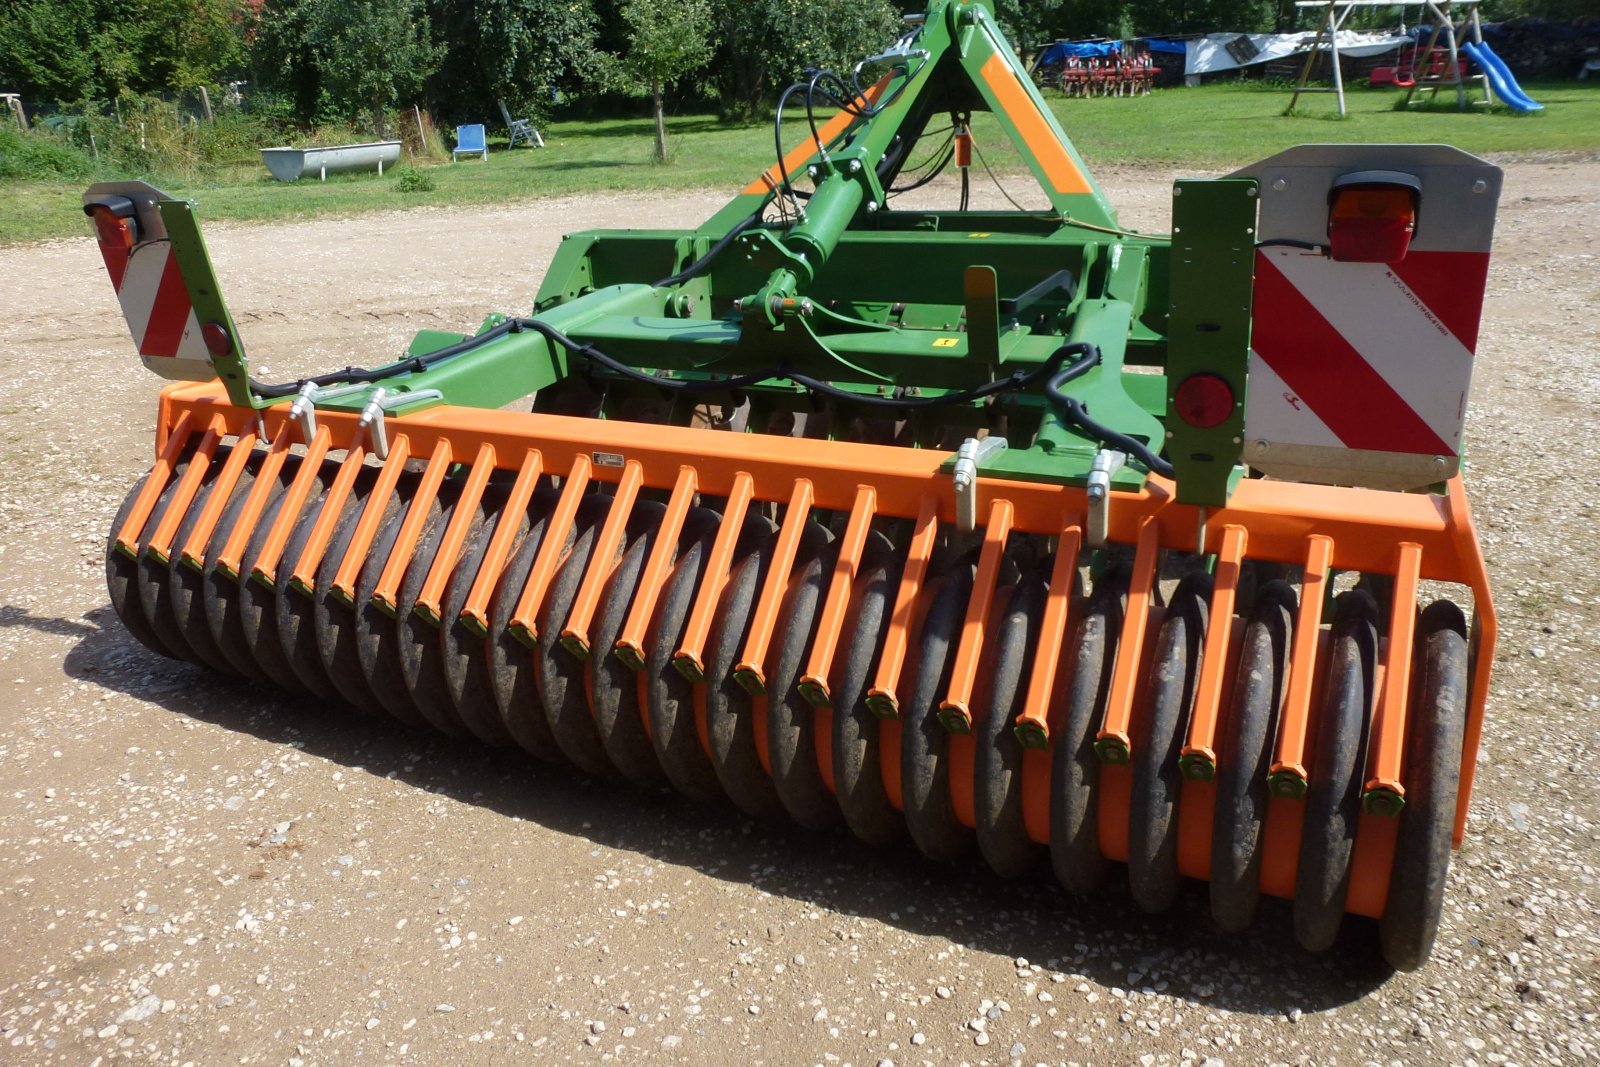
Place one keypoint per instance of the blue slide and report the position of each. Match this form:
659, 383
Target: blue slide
1500, 78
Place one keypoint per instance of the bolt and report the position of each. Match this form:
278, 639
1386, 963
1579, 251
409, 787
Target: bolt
1262, 447
1251, 193
1440, 463
812, 172
872, 205
1480, 186
855, 166
1177, 190
1280, 185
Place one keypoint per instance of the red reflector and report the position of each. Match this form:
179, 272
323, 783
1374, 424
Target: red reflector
1203, 400
114, 233
963, 143
1371, 223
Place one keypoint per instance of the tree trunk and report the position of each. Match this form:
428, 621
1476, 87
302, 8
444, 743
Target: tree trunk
661, 123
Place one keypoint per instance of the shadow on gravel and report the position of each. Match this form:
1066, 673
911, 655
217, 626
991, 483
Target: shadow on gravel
1105, 939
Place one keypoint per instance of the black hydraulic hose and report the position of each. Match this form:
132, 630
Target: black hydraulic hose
1073, 411
715, 250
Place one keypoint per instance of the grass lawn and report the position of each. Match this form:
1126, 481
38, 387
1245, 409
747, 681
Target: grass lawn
1209, 128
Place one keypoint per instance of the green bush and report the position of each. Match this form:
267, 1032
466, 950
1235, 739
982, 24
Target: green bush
38, 156
413, 180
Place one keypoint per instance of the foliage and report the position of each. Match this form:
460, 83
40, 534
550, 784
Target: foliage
41, 157
413, 180
518, 51
65, 50
768, 44
667, 40
346, 58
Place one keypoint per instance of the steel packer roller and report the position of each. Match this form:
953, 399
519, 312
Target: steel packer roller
1016, 532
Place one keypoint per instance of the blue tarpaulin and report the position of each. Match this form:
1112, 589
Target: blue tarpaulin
1062, 50
1161, 44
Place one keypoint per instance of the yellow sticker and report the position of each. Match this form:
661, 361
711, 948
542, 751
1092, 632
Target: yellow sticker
946, 342
984, 234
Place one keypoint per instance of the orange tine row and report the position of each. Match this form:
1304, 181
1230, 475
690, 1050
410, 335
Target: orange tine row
254, 505
355, 554
1032, 724
193, 551
881, 697
127, 540
303, 576
602, 561
749, 672
813, 683
159, 543
266, 565
1112, 744
1384, 794
475, 612
956, 711
1288, 777
524, 622
386, 595
1199, 757
689, 659
455, 535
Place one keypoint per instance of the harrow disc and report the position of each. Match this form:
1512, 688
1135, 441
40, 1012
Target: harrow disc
511, 677
377, 639
219, 591
924, 742
558, 673
123, 580
333, 619
791, 720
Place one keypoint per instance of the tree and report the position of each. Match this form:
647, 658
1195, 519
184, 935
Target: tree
667, 39
347, 56
518, 51
770, 43
69, 50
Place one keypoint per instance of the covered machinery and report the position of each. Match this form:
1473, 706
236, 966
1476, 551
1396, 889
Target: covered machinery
1017, 531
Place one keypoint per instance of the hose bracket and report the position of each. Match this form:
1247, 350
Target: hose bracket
964, 475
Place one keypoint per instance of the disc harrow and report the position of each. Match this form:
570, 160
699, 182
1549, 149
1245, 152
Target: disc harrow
1025, 537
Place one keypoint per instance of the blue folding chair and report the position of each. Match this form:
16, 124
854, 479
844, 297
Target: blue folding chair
470, 140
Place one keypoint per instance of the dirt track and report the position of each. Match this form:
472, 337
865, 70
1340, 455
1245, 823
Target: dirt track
197, 871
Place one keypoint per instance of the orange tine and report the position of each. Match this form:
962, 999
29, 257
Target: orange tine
265, 570
602, 562
1032, 725
355, 554
193, 551
688, 659
475, 612
955, 713
1198, 760
813, 684
881, 699
455, 535
1112, 743
254, 505
1384, 795
159, 543
385, 596
1288, 777
629, 646
127, 541
303, 576
524, 624
1483, 635
749, 672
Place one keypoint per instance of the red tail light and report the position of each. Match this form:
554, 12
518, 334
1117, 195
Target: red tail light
1203, 401
1372, 217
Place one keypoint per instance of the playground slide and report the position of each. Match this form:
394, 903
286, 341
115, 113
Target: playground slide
1500, 78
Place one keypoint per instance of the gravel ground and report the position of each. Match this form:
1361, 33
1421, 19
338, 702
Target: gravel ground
193, 871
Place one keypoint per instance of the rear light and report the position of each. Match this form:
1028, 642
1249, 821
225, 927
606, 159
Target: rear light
963, 146
1372, 216
115, 229
1203, 401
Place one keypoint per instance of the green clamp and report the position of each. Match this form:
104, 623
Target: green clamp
1032, 735
1287, 784
1112, 751
1382, 800
1197, 767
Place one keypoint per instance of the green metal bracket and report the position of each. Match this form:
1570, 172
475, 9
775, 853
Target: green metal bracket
177, 216
1208, 327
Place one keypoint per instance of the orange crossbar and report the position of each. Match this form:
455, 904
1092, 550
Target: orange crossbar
751, 668
265, 568
830, 623
355, 553
303, 575
475, 611
193, 551
629, 646
1288, 774
691, 648
1033, 723
956, 711
881, 697
524, 623
159, 543
386, 595
245, 526
1112, 742
127, 540
455, 535
1199, 756
602, 562
1384, 791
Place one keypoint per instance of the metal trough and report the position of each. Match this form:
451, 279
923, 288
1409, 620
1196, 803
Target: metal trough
292, 164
